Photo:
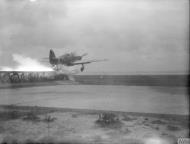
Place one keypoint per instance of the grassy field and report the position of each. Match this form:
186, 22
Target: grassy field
24, 124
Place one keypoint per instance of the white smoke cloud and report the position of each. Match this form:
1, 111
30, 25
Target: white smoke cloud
26, 64
29, 64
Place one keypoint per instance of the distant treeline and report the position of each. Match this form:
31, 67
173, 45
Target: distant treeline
137, 80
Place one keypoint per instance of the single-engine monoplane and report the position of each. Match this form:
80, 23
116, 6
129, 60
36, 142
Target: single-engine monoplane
69, 59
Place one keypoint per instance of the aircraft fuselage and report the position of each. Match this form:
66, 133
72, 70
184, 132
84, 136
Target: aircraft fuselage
67, 60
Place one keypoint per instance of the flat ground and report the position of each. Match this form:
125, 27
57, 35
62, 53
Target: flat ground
41, 124
145, 99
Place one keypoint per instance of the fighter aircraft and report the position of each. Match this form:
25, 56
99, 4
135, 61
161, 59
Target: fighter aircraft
69, 59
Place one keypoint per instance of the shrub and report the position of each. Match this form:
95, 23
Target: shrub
31, 116
109, 120
74, 115
10, 115
158, 122
128, 118
48, 119
173, 128
146, 119
10, 140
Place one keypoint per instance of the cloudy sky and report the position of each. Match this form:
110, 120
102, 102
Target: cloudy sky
135, 35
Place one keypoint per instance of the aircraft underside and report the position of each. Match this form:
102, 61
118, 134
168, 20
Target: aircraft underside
60, 67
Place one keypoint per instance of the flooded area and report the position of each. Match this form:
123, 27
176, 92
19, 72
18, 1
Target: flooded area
148, 99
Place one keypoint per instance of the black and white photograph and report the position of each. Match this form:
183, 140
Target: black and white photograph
94, 71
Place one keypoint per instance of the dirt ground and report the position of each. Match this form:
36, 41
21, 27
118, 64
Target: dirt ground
40, 124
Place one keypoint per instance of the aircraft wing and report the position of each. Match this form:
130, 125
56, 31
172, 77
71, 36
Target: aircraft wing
87, 62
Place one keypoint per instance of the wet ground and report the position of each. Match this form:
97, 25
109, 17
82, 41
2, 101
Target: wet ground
148, 99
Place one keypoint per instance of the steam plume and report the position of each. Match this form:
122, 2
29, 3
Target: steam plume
26, 64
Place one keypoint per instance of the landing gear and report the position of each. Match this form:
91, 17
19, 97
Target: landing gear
57, 68
82, 68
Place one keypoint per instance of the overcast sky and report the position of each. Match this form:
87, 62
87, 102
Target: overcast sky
135, 35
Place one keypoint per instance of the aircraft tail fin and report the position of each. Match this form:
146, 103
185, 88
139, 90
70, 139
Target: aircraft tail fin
52, 56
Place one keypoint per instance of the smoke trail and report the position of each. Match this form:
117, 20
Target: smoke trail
26, 64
